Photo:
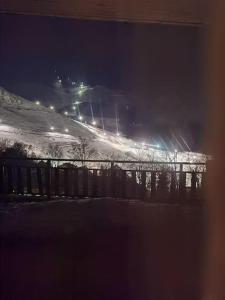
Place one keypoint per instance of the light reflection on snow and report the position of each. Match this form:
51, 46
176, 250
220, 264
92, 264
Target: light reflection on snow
129, 146
7, 128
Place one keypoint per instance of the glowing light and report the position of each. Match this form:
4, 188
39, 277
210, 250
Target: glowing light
94, 123
104, 133
80, 118
74, 107
82, 89
66, 113
77, 102
37, 103
118, 134
52, 107
52, 128
175, 150
158, 146
60, 81
66, 130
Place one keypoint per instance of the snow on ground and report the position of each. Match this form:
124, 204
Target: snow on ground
24, 121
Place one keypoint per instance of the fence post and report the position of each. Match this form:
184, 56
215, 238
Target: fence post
29, 184
48, 179
104, 192
143, 184
75, 182
173, 185
39, 180
153, 184
193, 185
10, 179
56, 182
66, 181
20, 189
85, 182
133, 185
112, 164
182, 183
113, 183
94, 183
124, 184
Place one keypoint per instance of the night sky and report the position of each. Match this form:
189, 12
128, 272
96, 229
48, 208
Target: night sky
159, 67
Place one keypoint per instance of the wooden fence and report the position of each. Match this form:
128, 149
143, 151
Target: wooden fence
149, 181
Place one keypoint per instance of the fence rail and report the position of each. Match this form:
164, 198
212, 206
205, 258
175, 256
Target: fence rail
149, 181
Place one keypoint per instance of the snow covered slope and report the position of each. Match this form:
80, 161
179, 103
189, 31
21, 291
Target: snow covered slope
39, 126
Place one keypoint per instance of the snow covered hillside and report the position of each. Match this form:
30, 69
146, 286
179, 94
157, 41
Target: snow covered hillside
24, 121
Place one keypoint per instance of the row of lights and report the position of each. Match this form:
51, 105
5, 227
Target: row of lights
39, 103
81, 90
94, 123
52, 128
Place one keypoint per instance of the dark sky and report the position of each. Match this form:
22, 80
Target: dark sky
98, 52
158, 66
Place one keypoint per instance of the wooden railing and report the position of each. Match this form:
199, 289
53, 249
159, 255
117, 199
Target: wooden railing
149, 181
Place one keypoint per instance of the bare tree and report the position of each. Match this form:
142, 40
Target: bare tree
83, 150
55, 151
4, 144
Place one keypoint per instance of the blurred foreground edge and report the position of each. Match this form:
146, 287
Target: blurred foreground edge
215, 275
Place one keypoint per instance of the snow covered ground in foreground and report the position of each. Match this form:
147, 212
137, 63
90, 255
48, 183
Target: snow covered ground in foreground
26, 122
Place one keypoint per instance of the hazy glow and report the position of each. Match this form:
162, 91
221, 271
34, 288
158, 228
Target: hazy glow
52, 128
118, 134
7, 128
66, 130
94, 123
82, 89
37, 103
66, 113
52, 107
74, 107
80, 118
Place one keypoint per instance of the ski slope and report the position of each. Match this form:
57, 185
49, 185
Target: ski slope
24, 121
